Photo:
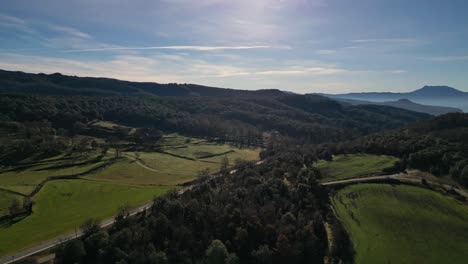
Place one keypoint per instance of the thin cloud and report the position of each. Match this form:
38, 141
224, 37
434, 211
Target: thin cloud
449, 58
193, 48
303, 71
70, 31
385, 40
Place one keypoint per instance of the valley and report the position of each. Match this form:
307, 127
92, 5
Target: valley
264, 176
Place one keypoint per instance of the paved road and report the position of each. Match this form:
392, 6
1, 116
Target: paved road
64, 238
361, 180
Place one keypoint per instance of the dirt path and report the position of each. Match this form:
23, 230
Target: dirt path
394, 177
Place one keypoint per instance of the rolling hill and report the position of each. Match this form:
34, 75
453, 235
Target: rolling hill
58, 84
191, 109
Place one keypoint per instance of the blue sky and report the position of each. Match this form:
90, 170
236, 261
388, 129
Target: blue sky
331, 46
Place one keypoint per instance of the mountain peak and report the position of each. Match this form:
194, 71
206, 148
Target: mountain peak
437, 91
403, 100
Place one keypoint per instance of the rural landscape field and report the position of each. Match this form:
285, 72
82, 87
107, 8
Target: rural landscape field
70, 188
411, 224
233, 132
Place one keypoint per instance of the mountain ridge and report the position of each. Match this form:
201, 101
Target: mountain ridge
443, 96
59, 84
406, 104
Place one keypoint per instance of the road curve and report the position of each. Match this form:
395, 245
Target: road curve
361, 180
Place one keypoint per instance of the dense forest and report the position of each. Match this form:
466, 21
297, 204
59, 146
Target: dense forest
312, 119
271, 213
58, 84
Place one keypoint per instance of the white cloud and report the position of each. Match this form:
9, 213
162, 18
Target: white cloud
386, 40
193, 48
70, 31
303, 71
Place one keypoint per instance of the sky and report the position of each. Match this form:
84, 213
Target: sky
303, 46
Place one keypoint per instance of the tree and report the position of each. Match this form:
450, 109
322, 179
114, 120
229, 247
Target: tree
72, 252
205, 173
232, 259
464, 176
90, 227
224, 164
158, 258
216, 253
15, 207
262, 255
27, 204
94, 144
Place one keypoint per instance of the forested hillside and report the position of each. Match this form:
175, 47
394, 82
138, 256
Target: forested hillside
58, 84
271, 213
311, 119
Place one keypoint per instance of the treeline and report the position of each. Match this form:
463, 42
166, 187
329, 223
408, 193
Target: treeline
309, 119
438, 146
270, 213
58, 84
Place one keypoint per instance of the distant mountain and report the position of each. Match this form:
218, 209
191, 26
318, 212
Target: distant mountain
428, 95
442, 91
406, 104
58, 84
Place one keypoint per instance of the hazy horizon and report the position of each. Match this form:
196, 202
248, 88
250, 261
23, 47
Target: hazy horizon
298, 45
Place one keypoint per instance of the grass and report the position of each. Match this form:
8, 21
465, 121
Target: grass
24, 177
250, 154
356, 165
5, 201
200, 151
177, 140
168, 170
63, 205
403, 224
203, 150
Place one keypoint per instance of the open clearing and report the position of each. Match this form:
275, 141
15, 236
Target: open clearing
165, 170
103, 185
63, 205
403, 224
24, 177
355, 165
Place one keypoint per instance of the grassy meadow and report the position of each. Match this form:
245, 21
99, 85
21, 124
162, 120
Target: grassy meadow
99, 191
354, 165
24, 177
403, 224
65, 204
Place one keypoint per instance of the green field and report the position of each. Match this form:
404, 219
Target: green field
26, 175
356, 165
163, 170
104, 185
63, 205
403, 224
